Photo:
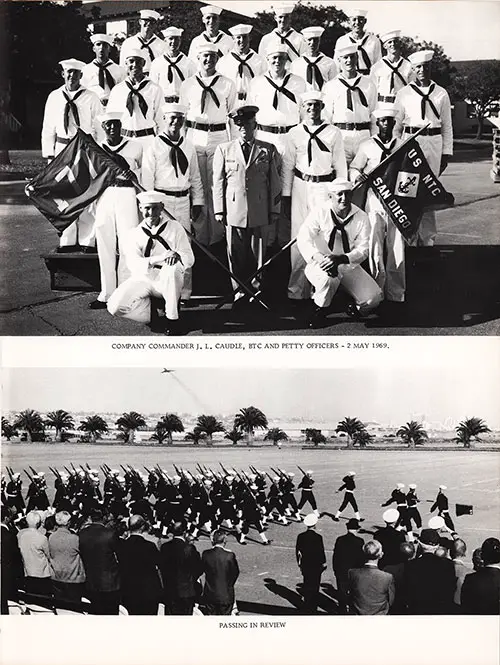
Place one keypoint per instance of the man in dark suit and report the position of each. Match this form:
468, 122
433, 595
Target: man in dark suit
139, 570
347, 553
221, 572
98, 549
398, 571
390, 538
12, 565
371, 590
180, 566
310, 553
430, 580
481, 590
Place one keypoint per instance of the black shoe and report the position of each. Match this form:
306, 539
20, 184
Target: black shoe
352, 311
268, 542
97, 304
318, 318
335, 519
172, 327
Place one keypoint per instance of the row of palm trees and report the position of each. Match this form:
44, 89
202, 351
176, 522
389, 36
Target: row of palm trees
245, 423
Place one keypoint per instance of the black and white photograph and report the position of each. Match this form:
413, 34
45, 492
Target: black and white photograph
179, 168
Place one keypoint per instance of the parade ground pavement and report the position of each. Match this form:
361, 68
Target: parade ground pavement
29, 307
269, 575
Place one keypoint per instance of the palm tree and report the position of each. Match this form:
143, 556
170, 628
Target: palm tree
276, 434
31, 422
412, 433
128, 423
250, 419
350, 426
470, 428
317, 437
167, 424
208, 425
94, 426
8, 430
60, 420
195, 436
362, 438
234, 435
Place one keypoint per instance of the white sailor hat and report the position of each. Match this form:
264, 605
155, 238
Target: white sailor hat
120, 479
352, 13
16, 475
144, 476
420, 57
341, 185
149, 14
253, 486
385, 111
115, 472
390, 516
109, 115
351, 473
41, 474
151, 196
240, 29
101, 37
399, 486
72, 63
210, 9
443, 487
252, 476
284, 8
275, 49
172, 31
412, 486
310, 520
309, 472
176, 478
131, 52
311, 96
207, 47
275, 479
313, 31
174, 107
393, 34
348, 49
290, 474
436, 522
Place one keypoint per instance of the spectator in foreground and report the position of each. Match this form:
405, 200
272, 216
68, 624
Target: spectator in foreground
371, 590
458, 551
221, 572
347, 553
68, 573
481, 590
310, 553
398, 571
34, 548
10, 556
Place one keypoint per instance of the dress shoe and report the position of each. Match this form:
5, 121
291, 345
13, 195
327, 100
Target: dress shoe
352, 311
97, 304
318, 318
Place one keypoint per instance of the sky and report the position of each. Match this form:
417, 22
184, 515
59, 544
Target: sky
466, 30
441, 397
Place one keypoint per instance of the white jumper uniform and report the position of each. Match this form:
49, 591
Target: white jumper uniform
369, 50
169, 73
222, 40
149, 49
315, 71
101, 79
140, 105
389, 77
291, 40
241, 69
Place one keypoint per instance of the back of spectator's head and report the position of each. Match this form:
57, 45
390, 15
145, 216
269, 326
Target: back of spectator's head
477, 559
9, 514
373, 550
97, 515
33, 519
408, 551
218, 537
458, 549
429, 540
490, 551
352, 525
136, 523
63, 518
49, 523
441, 552
178, 528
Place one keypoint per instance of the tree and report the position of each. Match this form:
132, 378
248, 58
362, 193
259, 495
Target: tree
469, 429
317, 437
31, 422
362, 438
234, 435
195, 436
8, 430
276, 434
442, 69
250, 419
167, 424
94, 426
478, 84
412, 433
350, 426
209, 425
309, 433
60, 420
128, 423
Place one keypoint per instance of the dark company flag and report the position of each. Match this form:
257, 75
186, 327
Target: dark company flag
463, 509
75, 178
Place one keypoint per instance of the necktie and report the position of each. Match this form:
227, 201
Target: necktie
426, 100
339, 226
155, 237
364, 55
313, 136
147, 46
207, 90
386, 149
247, 149
395, 72
285, 41
105, 78
215, 40
281, 88
353, 88
119, 159
173, 67
177, 156
313, 72
243, 62
135, 92
71, 107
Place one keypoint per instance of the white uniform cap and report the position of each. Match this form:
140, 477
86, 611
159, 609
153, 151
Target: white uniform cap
385, 111
276, 479
419, 57
436, 522
290, 474
412, 486
310, 520
352, 13
253, 487
310, 472
151, 196
41, 474
285, 8
314, 31
229, 479
109, 115
240, 29
174, 107
341, 185
390, 516
115, 472
351, 473
144, 476
349, 49
72, 63
176, 478
150, 13
101, 37
443, 487
400, 486
120, 479
16, 475
275, 49
209, 9
311, 96
131, 52
207, 47
393, 34
252, 476
172, 32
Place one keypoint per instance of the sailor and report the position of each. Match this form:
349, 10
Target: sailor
146, 40
102, 74
367, 45
212, 33
392, 72
348, 485
172, 67
283, 35
313, 66
412, 502
442, 506
242, 64
306, 485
